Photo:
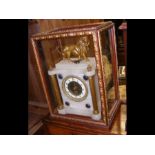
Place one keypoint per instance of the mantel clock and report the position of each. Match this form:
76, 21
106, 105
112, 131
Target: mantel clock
78, 70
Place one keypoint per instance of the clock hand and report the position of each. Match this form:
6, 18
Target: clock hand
74, 86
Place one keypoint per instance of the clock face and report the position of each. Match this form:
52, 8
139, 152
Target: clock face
75, 88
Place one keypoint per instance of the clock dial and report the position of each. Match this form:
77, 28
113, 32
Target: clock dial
75, 88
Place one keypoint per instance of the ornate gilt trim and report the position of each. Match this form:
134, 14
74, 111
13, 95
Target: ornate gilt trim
103, 71
100, 76
62, 35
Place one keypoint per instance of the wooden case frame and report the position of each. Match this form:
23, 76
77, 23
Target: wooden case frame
87, 29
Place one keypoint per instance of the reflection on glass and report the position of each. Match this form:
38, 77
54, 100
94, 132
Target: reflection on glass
107, 63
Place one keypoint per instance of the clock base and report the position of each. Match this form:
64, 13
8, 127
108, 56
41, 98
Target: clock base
93, 116
62, 111
96, 116
57, 126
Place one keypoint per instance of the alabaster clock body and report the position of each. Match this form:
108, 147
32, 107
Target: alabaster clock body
73, 80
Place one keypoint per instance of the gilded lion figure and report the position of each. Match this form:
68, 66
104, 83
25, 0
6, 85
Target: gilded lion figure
78, 50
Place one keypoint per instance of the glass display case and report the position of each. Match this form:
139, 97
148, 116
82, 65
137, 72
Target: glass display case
79, 72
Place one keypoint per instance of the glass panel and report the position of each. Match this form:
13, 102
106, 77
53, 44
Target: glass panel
107, 62
52, 51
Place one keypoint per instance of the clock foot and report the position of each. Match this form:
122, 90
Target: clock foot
96, 116
62, 111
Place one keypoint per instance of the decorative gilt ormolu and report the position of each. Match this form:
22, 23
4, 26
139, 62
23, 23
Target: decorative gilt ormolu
78, 51
92, 72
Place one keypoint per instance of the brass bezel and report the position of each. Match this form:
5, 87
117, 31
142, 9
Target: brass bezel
70, 97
